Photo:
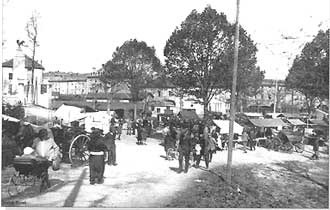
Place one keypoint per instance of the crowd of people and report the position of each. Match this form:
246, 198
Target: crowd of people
189, 141
193, 140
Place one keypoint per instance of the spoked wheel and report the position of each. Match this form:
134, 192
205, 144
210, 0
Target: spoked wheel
78, 153
287, 148
276, 143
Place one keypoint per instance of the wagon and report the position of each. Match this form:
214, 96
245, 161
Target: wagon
72, 140
29, 171
73, 144
288, 140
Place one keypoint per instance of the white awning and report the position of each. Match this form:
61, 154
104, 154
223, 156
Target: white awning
296, 122
224, 125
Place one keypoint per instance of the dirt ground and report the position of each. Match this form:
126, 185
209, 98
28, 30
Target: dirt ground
143, 178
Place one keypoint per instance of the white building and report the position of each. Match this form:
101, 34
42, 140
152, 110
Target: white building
165, 100
17, 80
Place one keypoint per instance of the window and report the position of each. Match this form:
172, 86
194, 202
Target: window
158, 110
10, 75
43, 89
159, 93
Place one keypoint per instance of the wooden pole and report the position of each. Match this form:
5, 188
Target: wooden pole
275, 103
233, 99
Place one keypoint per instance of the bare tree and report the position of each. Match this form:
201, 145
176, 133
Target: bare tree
32, 32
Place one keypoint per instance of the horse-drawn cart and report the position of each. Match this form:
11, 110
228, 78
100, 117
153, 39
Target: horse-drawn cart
72, 141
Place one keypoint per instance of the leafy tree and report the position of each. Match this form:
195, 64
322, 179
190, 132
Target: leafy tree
135, 64
309, 73
199, 56
249, 75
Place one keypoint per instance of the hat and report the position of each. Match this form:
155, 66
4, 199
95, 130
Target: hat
43, 132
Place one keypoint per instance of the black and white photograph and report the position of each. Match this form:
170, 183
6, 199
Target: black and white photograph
165, 104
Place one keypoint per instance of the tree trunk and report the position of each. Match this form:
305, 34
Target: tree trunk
134, 110
109, 103
33, 66
206, 110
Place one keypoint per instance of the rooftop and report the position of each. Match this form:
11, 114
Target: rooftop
28, 64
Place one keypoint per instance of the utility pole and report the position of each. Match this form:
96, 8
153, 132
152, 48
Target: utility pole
275, 102
233, 98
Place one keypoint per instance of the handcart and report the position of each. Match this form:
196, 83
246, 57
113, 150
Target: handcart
29, 171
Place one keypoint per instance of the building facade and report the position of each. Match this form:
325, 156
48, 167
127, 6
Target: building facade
17, 81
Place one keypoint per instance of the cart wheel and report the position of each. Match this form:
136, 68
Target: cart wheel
78, 153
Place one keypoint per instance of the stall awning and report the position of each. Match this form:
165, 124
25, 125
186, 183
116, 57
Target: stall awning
188, 114
319, 122
296, 122
224, 125
275, 115
253, 114
268, 123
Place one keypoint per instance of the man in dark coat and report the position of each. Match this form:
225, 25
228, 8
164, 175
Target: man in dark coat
97, 149
184, 148
205, 144
316, 145
139, 131
109, 140
24, 136
170, 139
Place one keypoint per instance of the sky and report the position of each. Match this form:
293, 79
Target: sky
81, 35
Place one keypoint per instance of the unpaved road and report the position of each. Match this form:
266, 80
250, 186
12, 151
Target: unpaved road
143, 178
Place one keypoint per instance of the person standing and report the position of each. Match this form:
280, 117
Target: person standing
24, 136
245, 138
134, 126
251, 140
97, 150
109, 140
206, 145
139, 133
316, 145
129, 127
144, 132
46, 147
184, 147
170, 139
119, 127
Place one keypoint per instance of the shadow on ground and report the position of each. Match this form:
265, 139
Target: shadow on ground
19, 193
15, 195
255, 186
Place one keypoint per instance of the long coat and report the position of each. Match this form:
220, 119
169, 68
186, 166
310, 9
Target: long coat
185, 142
170, 139
209, 145
109, 138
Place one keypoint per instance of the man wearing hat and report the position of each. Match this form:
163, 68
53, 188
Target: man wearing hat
97, 150
109, 140
184, 147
